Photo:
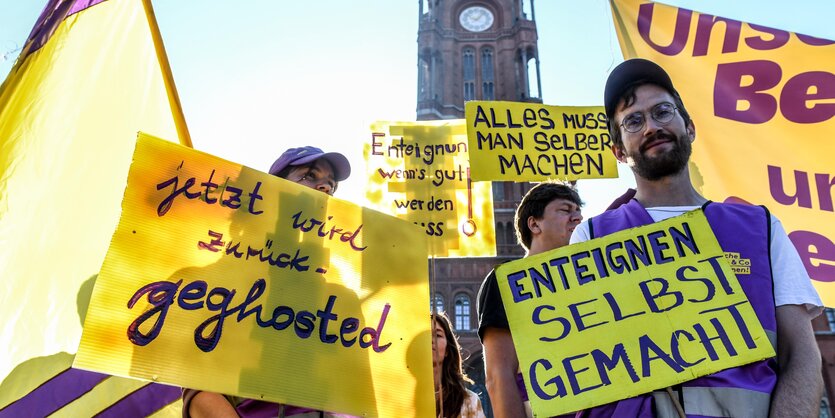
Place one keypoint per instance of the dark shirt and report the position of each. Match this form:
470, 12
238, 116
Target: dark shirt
490, 309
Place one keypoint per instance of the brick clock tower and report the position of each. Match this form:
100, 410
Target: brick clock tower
475, 50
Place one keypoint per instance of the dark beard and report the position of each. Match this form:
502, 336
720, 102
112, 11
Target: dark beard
667, 164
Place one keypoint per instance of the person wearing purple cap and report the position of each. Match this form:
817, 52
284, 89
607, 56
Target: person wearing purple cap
652, 132
312, 167
318, 170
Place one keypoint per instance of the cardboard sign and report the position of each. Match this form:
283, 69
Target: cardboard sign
762, 101
512, 141
626, 314
419, 171
226, 279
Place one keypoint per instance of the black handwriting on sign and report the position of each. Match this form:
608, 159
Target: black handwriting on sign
196, 295
264, 254
307, 225
206, 190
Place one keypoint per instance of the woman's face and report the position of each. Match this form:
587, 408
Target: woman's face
439, 345
318, 176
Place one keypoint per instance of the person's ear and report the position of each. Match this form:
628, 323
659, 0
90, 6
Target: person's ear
533, 225
691, 130
620, 154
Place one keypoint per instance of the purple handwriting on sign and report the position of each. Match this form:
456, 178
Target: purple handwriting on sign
264, 254
196, 296
327, 231
206, 190
160, 296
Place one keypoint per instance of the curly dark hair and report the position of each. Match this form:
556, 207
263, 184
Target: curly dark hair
453, 378
534, 203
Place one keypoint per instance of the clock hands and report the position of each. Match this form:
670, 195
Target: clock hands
476, 19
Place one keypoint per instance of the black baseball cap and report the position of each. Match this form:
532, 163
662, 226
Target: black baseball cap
629, 72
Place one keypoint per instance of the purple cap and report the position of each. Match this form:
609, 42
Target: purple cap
628, 73
306, 155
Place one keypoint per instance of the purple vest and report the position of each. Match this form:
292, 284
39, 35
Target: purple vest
743, 391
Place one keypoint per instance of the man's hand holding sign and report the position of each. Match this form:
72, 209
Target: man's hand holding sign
625, 314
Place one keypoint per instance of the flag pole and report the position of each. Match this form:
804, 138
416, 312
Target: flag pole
168, 77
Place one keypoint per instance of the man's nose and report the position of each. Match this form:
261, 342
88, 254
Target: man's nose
651, 126
324, 187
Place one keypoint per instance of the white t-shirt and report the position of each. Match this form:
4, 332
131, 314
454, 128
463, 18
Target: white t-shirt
792, 285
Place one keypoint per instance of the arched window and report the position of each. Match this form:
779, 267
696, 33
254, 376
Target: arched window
533, 75
423, 79
468, 64
526, 8
438, 301
487, 74
498, 191
511, 234
500, 236
462, 312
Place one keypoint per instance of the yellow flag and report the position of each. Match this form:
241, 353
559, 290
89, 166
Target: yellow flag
91, 75
762, 103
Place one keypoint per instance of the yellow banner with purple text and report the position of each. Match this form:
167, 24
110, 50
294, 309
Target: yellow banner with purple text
514, 141
579, 315
763, 103
223, 278
420, 172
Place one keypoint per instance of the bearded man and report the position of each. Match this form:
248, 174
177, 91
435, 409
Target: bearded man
653, 133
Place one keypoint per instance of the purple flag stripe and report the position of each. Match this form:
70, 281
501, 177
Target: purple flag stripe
79, 5
142, 402
54, 394
52, 15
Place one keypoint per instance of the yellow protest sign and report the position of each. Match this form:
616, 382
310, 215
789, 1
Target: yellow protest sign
762, 102
512, 141
579, 315
223, 278
420, 172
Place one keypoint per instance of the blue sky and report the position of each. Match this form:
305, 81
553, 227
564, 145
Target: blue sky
250, 87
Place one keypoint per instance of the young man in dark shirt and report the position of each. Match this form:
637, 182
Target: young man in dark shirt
544, 220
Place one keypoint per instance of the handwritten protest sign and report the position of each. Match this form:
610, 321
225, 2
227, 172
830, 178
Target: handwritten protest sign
419, 171
762, 99
223, 278
512, 141
628, 313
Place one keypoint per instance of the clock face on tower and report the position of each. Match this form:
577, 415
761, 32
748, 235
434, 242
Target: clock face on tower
476, 19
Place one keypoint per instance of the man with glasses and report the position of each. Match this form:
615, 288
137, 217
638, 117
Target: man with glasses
653, 133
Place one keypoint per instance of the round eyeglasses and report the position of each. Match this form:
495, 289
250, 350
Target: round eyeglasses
662, 113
